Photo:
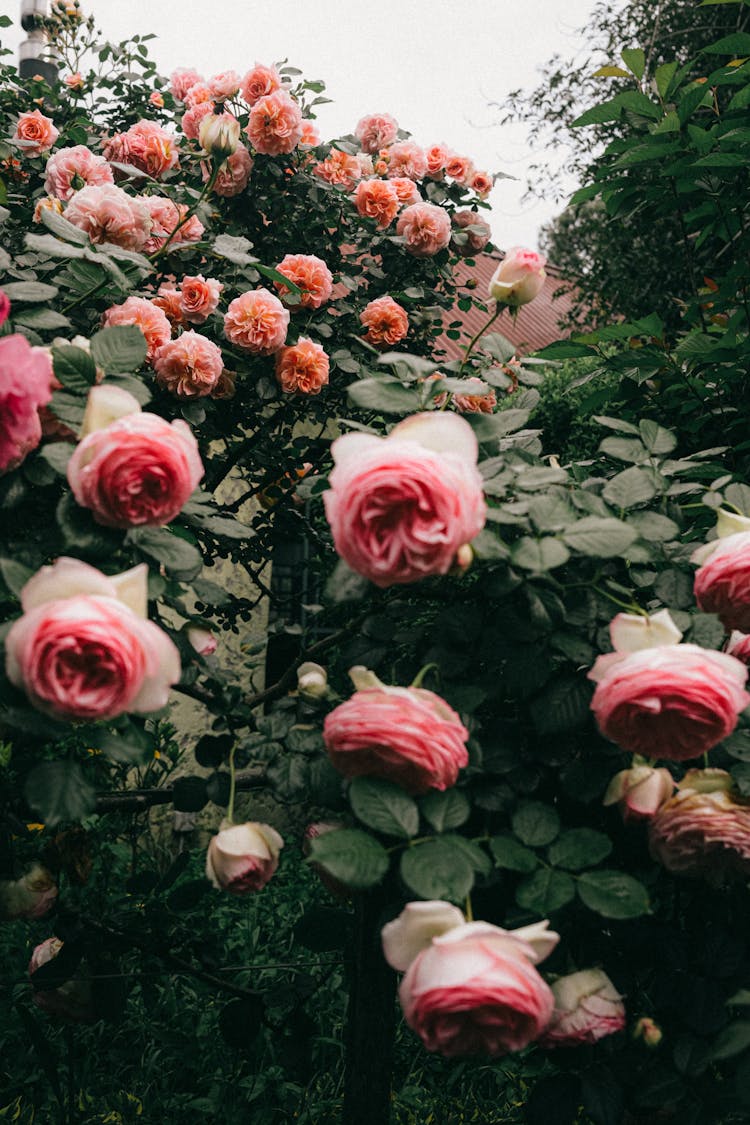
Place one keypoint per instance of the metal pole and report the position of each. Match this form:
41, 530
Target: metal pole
34, 53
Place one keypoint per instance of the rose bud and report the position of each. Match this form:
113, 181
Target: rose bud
219, 134
519, 278
4, 306
202, 640
31, 896
241, 858
722, 581
72, 1001
703, 831
739, 646
648, 1031
587, 1007
640, 791
312, 681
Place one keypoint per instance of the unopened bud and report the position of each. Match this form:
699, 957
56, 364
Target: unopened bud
648, 1031
463, 560
312, 681
219, 134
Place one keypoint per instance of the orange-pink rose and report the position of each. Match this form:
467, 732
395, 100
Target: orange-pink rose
224, 86
109, 214
165, 218
459, 168
436, 157
189, 366
145, 145
234, 174
310, 135
406, 190
35, 133
259, 82
145, 315
376, 131
302, 368
426, 229
257, 322
386, 321
339, 168
476, 233
275, 124
377, 199
311, 275
482, 183
181, 80
199, 297
406, 159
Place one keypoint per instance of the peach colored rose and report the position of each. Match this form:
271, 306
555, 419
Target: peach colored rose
257, 322
199, 298
436, 157
640, 791
138, 471
25, 385
703, 830
400, 507
234, 174
189, 366
339, 168
156, 99
198, 94
482, 183
146, 146
376, 131
459, 168
259, 82
81, 652
224, 86
145, 315
241, 858
47, 203
588, 1007
169, 300
303, 368
191, 120
311, 275
366, 165
386, 321
377, 199
181, 80
408, 160
275, 124
71, 1001
74, 81
165, 218
109, 214
35, 133
519, 278
407, 735
406, 190
475, 238
426, 229
722, 583
31, 896
310, 135
478, 398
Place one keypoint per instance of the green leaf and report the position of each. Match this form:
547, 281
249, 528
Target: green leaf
121, 348
30, 291
635, 60
181, 559
64, 229
57, 454
736, 44
655, 437
613, 894
545, 891
235, 249
738, 495
74, 368
630, 487
737, 745
511, 855
15, 575
653, 526
353, 857
43, 319
445, 810
562, 706
385, 396
539, 554
384, 806
437, 869
732, 1040
600, 538
674, 588
663, 76
565, 349
624, 449
476, 855
579, 848
535, 823
52, 247
498, 347
59, 792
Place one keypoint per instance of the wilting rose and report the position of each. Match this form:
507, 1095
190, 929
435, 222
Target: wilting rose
339, 168
241, 858
308, 273
234, 174
406, 159
83, 648
202, 640
648, 1031
257, 322
376, 131
189, 366
108, 214
474, 991
145, 145
407, 735
71, 1001
704, 830
475, 238
302, 368
386, 321
258, 82
35, 133
377, 199
722, 582
400, 507
219, 135
70, 169
25, 386
587, 1008
31, 896
138, 471
275, 124
426, 229
519, 278
199, 297
182, 80
640, 791
145, 315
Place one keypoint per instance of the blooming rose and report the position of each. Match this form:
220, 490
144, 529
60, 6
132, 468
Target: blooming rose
199, 297
640, 791
165, 218
400, 507
475, 238
47, 203
436, 157
35, 133
181, 80
109, 214
407, 735
308, 273
139, 470
219, 135
71, 1001
386, 322
478, 398
377, 199
408, 160
224, 86
169, 300
145, 145
310, 135
482, 183
189, 366
31, 896
406, 190
376, 131
474, 990
587, 1008
703, 830
722, 581
426, 229
257, 321
202, 640
519, 278
302, 368
258, 82
157, 99
198, 94
70, 169
234, 174
459, 168
145, 315
339, 168
84, 649
275, 124
241, 858
192, 118
25, 385
74, 81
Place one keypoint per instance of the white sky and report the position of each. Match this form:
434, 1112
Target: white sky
433, 64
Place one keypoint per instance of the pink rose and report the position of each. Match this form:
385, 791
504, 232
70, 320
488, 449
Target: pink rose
147, 146
437, 158
74, 81
35, 133
519, 278
181, 80
722, 583
191, 120
234, 174
459, 168
199, 298
257, 322
310, 135
202, 640
407, 735
587, 1008
739, 646
72, 1001
25, 386
156, 99
426, 229
224, 86
308, 273
189, 366
31, 896
241, 858
386, 321
144, 315
377, 199
640, 791
165, 218
474, 990
84, 649
408, 160
482, 184
376, 131
139, 470
703, 830
406, 190
198, 94
275, 124
259, 82
4, 306
339, 168
475, 237
303, 368
169, 300
70, 169
108, 214
400, 507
